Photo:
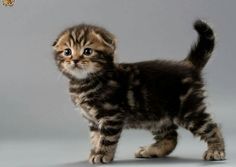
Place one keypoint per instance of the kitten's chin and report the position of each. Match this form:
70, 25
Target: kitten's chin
75, 71
79, 73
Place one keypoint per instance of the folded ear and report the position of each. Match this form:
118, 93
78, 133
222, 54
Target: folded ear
54, 44
60, 39
107, 38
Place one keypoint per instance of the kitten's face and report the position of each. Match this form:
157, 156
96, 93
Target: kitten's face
83, 50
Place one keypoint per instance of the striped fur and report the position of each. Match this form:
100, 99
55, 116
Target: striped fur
154, 95
201, 51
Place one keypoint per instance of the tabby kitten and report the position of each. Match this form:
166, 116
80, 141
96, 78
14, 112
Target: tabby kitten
154, 95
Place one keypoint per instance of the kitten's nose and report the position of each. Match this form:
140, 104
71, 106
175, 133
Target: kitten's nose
76, 61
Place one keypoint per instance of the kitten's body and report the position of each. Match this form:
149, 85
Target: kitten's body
153, 95
142, 91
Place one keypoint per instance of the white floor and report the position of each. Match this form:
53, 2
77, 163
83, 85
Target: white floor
74, 152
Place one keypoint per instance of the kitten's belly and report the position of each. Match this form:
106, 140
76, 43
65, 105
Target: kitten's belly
152, 125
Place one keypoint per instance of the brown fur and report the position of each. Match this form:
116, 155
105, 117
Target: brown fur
157, 96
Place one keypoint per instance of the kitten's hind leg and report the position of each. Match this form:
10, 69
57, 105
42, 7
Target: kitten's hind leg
194, 118
166, 142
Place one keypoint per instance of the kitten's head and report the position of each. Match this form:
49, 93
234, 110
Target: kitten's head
83, 50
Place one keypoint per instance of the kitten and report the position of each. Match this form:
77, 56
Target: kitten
154, 95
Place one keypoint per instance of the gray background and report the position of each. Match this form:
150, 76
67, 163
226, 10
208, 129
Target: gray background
38, 124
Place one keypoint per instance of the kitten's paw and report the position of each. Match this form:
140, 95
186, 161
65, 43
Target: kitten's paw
144, 152
158, 149
214, 155
100, 158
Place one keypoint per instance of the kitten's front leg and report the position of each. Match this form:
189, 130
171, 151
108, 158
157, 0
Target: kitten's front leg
94, 136
107, 138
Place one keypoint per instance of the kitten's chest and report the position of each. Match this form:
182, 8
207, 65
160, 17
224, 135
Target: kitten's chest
88, 114
87, 111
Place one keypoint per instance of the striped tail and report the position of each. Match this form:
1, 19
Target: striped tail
202, 50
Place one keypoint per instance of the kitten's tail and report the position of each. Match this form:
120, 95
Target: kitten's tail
201, 51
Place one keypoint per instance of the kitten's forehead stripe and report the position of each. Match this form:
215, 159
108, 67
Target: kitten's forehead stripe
68, 43
80, 37
73, 34
88, 43
73, 40
85, 36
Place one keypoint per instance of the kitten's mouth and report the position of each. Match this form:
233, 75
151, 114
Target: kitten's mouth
77, 66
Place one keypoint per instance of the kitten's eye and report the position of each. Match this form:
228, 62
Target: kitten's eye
67, 52
88, 51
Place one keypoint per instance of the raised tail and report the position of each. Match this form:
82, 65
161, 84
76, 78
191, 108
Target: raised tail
201, 51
